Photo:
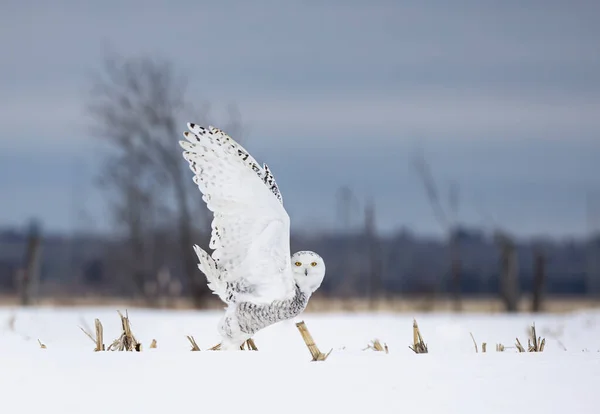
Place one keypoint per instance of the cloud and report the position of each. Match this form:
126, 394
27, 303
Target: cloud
328, 120
441, 115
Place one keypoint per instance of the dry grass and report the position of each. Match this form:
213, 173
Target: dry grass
99, 338
375, 345
126, 341
418, 346
474, 342
195, 346
483, 344
317, 355
519, 346
534, 343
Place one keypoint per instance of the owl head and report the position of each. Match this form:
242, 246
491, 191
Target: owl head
308, 269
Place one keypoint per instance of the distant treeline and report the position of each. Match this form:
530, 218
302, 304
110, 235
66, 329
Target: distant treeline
356, 265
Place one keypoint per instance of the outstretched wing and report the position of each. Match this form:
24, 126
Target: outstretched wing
250, 228
269, 179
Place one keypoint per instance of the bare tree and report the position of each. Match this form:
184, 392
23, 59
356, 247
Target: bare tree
448, 222
509, 271
29, 276
593, 248
133, 208
374, 255
136, 106
509, 265
539, 278
346, 205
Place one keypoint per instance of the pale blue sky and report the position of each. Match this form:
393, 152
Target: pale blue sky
503, 96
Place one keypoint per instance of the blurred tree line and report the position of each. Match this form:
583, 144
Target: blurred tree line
403, 264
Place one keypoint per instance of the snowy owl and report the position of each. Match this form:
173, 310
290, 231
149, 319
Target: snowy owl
250, 268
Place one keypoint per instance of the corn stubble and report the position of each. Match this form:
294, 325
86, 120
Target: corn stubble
418, 346
483, 344
125, 342
375, 345
195, 346
534, 343
317, 355
98, 340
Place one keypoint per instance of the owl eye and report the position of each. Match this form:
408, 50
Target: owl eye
313, 264
298, 264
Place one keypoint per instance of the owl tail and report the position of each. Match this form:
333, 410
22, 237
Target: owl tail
208, 266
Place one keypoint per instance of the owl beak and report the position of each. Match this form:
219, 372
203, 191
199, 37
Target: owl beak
305, 272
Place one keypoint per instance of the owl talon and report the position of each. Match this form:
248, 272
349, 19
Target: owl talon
249, 343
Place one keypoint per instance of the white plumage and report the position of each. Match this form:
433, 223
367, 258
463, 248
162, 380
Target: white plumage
250, 268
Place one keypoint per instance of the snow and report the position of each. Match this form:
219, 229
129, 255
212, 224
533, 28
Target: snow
68, 377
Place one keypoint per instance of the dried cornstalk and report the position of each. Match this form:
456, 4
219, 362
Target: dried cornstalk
519, 346
499, 348
419, 346
125, 342
474, 342
195, 346
375, 345
41, 344
99, 336
310, 343
99, 339
153, 344
534, 343
538, 342
542, 345
483, 344
532, 348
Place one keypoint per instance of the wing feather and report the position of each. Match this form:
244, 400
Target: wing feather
250, 227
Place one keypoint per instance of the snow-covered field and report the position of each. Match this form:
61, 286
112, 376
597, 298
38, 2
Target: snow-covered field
68, 377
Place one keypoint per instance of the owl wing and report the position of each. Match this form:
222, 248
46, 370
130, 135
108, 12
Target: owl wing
269, 180
250, 227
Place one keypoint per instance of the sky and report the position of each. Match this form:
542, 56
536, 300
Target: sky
502, 97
